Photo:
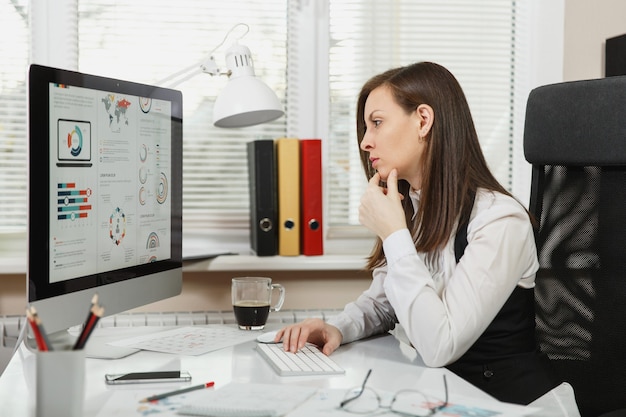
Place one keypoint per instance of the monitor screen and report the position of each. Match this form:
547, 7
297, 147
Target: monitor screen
105, 194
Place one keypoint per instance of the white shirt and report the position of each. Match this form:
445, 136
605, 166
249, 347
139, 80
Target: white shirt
444, 306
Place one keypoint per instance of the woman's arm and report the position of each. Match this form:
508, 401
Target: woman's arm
443, 316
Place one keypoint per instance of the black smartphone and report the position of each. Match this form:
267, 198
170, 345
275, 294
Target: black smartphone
146, 377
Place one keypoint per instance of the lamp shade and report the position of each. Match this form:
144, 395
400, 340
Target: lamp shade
245, 100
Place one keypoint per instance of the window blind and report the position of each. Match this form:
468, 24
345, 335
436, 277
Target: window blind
474, 40
14, 55
148, 40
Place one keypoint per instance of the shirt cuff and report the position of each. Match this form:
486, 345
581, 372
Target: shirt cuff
398, 245
347, 327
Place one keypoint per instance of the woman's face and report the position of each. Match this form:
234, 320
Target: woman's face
393, 138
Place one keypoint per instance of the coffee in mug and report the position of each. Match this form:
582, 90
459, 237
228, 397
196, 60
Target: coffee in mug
252, 301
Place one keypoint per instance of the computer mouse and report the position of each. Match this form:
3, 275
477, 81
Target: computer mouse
267, 337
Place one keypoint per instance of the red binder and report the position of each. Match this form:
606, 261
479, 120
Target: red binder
311, 197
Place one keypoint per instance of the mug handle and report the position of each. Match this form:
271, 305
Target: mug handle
281, 296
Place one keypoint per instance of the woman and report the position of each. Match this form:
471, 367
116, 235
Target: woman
455, 259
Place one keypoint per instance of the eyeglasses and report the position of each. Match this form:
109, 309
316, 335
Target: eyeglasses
362, 400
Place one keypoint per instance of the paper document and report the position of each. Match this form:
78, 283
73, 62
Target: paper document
193, 340
326, 402
248, 400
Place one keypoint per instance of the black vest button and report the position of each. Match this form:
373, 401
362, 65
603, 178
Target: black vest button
488, 373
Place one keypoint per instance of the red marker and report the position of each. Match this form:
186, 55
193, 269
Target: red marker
180, 391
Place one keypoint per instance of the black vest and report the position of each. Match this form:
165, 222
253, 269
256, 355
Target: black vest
505, 361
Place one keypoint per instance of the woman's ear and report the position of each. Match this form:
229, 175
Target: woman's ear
426, 116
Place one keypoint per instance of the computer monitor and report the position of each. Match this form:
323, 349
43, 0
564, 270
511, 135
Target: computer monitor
105, 195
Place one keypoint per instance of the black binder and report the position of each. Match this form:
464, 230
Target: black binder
263, 197
615, 56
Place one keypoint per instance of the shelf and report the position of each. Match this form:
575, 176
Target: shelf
347, 255
278, 263
17, 264
13, 253
14, 263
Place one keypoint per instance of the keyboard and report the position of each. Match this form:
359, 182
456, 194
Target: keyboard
307, 361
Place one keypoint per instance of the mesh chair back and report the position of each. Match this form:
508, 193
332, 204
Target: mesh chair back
575, 139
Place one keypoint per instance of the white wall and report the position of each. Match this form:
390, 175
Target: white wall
587, 25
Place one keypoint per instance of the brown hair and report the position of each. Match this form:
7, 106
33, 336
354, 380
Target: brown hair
453, 166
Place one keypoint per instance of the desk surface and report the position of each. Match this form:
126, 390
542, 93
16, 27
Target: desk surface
394, 366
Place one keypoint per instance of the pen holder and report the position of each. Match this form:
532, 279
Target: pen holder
60, 382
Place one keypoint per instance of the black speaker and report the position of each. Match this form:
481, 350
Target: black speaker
615, 56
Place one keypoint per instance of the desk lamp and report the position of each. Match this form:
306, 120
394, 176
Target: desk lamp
245, 100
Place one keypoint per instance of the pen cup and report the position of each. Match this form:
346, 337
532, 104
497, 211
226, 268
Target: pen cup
60, 383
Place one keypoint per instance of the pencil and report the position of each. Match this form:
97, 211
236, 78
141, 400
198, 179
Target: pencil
94, 303
44, 335
40, 333
177, 392
95, 313
41, 343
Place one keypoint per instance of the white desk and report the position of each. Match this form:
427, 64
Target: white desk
394, 366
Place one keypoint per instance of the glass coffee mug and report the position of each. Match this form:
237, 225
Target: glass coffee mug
252, 301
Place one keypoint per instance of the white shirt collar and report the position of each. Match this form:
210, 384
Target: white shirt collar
415, 199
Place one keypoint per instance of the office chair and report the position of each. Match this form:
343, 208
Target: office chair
575, 139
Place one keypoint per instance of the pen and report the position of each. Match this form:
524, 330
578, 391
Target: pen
180, 391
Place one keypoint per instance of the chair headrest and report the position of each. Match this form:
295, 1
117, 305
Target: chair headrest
579, 123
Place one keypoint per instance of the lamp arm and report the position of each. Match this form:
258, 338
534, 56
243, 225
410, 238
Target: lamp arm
207, 65
190, 69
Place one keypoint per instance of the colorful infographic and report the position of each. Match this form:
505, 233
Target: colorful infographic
110, 174
74, 138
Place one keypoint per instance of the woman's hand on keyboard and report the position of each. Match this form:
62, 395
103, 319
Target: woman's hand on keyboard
316, 331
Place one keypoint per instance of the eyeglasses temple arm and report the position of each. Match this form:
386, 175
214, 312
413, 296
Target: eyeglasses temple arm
347, 400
